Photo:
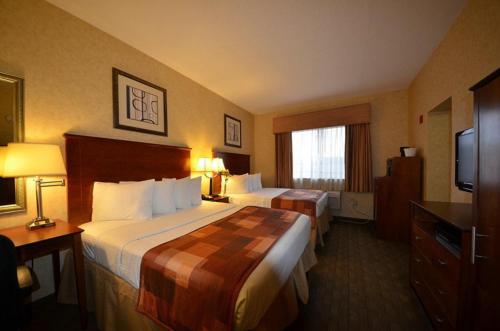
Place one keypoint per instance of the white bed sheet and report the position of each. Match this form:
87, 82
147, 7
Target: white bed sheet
120, 245
263, 198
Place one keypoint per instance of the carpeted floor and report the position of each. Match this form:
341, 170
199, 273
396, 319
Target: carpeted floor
360, 283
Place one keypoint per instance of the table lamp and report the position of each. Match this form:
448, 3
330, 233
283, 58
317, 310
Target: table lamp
211, 168
35, 160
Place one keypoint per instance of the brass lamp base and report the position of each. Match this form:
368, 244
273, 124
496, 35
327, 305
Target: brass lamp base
40, 223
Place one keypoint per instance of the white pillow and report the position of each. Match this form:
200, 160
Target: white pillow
256, 182
111, 201
195, 191
250, 183
163, 196
237, 184
183, 193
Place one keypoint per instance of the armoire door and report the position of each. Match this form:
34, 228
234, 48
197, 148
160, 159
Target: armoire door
486, 251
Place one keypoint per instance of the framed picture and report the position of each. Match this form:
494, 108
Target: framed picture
138, 105
232, 131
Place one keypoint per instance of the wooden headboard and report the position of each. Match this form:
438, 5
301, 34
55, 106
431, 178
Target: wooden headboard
238, 164
90, 159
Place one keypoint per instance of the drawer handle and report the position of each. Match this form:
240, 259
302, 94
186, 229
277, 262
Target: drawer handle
441, 262
439, 319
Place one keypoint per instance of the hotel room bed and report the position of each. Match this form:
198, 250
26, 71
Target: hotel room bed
264, 197
239, 164
118, 247
114, 250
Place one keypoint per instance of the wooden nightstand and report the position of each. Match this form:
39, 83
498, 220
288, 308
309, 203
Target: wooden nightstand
218, 198
51, 240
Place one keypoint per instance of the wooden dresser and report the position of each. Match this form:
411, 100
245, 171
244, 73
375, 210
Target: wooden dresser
440, 261
393, 193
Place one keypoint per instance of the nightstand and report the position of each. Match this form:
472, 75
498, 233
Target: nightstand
218, 198
31, 244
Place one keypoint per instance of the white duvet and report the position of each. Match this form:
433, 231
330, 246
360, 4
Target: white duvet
263, 198
120, 245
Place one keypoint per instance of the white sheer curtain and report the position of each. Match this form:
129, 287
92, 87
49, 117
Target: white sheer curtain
318, 158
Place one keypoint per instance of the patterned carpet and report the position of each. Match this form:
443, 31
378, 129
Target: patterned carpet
360, 283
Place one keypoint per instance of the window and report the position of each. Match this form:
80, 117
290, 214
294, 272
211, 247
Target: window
318, 158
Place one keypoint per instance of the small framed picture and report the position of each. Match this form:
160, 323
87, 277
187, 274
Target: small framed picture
138, 105
232, 131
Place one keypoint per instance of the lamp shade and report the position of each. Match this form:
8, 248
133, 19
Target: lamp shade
204, 164
27, 160
218, 165
3, 150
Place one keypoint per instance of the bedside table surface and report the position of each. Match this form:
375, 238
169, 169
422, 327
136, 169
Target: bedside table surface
219, 198
21, 236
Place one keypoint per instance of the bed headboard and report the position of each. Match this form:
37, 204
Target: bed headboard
238, 164
90, 159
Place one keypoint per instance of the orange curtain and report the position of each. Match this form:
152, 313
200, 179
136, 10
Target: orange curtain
358, 160
284, 160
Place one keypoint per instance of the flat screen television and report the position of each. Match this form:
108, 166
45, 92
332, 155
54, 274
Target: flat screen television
464, 162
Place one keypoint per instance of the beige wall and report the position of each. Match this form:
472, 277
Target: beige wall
388, 130
438, 174
469, 52
67, 63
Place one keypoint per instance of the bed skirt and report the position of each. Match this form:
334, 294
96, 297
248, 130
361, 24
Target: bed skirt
323, 224
114, 300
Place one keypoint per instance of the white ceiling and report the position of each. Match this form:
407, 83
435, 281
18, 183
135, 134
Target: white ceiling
269, 54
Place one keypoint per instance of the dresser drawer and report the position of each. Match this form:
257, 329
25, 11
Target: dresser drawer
438, 318
446, 268
423, 241
420, 265
448, 301
424, 271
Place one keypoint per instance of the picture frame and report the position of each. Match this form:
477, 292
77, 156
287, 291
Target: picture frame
139, 105
232, 131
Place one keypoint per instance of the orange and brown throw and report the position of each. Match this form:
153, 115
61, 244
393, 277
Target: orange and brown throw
193, 282
302, 201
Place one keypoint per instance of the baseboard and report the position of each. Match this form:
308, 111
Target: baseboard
352, 219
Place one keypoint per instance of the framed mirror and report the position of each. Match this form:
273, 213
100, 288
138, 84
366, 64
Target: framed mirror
12, 190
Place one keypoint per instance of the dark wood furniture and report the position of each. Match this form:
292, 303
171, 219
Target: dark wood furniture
90, 159
392, 197
237, 164
219, 198
51, 240
486, 200
440, 271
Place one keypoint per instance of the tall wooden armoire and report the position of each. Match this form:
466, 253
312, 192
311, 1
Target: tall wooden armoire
486, 205
393, 193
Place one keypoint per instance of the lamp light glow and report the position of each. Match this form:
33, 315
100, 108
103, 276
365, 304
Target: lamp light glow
34, 160
3, 151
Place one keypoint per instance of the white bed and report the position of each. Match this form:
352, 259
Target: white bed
264, 196
120, 245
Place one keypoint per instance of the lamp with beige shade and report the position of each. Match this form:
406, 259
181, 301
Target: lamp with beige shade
211, 168
34, 160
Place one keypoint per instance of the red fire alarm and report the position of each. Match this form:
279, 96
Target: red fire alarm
421, 119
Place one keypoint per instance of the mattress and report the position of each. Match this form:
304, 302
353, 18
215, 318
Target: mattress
263, 198
120, 245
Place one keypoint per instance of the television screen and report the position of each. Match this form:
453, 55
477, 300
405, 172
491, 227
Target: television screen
464, 171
